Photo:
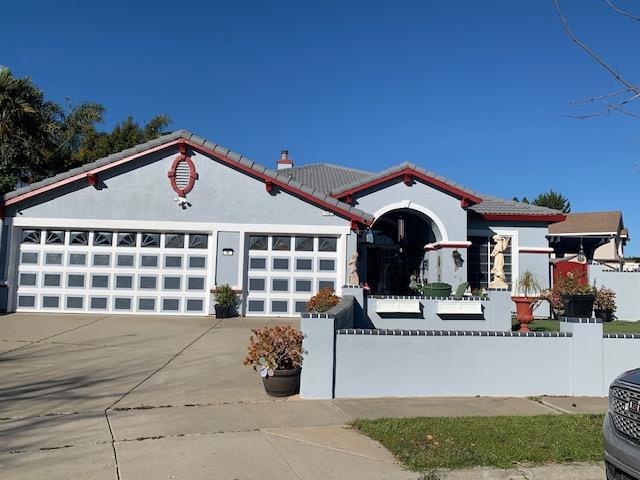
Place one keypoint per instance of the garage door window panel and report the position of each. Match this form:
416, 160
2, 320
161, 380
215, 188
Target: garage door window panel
49, 301
28, 279
78, 259
198, 241
327, 244
148, 282
281, 243
125, 260
52, 280
122, 303
75, 280
98, 303
127, 239
78, 238
124, 282
304, 244
53, 259
101, 260
102, 239
174, 240
171, 304
195, 305
74, 303
195, 283
197, 262
100, 281
279, 306
149, 261
31, 236
27, 301
54, 237
280, 264
147, 304
171, 283
172, 261
279, 285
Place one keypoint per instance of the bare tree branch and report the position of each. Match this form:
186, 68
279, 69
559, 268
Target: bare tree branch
610, 108
591, 53
622, 12
599, 97
621, 110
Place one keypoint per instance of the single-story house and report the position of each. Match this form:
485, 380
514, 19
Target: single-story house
597, 236
153, 228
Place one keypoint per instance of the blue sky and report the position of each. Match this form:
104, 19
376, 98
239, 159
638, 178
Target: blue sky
476, 91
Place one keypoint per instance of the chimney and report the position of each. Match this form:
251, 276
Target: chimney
284, 161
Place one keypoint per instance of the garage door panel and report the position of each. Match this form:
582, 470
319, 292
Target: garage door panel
284, 271
117, 272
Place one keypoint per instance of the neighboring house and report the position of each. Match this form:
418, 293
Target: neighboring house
600, 236
153, 228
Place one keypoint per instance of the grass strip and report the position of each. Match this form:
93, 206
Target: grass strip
426, 443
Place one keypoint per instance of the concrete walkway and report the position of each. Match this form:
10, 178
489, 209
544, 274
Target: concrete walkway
131, 397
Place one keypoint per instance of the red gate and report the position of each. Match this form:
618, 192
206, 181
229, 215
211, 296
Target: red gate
578, 270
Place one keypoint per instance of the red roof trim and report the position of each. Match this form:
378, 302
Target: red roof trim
405, 174
223, 158
559, 217
93, 171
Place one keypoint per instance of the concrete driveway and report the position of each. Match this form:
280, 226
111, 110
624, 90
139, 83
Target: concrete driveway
133, 397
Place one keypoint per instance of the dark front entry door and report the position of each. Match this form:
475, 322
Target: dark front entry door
390, 267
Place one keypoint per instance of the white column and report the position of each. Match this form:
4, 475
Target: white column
587, 362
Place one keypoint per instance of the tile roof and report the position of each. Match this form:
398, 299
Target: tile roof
320, 180
326, 177
278, 176
588, 222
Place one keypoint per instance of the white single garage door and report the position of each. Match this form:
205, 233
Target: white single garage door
115, 272
284, 271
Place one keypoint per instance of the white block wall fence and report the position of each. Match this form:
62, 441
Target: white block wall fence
343, 361
627, 288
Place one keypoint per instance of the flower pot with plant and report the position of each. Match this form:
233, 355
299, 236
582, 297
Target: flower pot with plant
226, 300
276, 354
605, 304
323, 301
577, 295
528, 288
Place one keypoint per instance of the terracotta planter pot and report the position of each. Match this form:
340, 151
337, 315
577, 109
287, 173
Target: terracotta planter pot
284, 383
524, 311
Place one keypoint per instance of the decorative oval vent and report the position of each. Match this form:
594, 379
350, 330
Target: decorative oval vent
182, 174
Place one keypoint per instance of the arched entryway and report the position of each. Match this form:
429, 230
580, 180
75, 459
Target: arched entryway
393, 250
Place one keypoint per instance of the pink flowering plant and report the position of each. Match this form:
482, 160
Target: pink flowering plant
605, 299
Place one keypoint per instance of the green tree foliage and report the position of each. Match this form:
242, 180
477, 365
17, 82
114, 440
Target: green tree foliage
524, 200
552, 199
39, 138
127, 134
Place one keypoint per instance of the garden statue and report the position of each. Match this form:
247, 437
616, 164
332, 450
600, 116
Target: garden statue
354, 279
499, 277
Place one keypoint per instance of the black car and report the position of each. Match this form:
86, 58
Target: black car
621, 430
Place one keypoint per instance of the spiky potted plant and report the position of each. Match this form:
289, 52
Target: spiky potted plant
276, 354
226, 300
528, 289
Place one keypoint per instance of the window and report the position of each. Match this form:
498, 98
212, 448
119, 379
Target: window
303, 285
28, 279
125, 261
101, 259
146, 304
304, 264
78, 259
304, 244
50, 302
194, 305
100, 281
31, 236
150, 240
148, 261
257, 242
171, 283
53, 259
279, 306
197, 262
172, 261
98, 303
327, 244
256, 284
75, 280
200, 241
479, 261
281, 264
300, 307
257, 263
195, 283
281, 243
126, 240
170, 304
148, 282
326, 265
30, 257
122, 303
78, 238
102, 238
55, 237
26, 301
174, 240
124, 281
75, 302
256, 306
326, 284
51, 280
279, 285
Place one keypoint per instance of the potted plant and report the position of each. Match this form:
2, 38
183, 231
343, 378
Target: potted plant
276, 354
528, 287
577, 296
323, 301
605, 304
554, 297
226, 300
435, 289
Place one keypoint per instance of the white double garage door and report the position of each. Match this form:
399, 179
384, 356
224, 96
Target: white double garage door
113, 271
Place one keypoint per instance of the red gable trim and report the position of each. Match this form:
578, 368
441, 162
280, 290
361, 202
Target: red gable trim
223, 158
559, 217
406, 174
86, 174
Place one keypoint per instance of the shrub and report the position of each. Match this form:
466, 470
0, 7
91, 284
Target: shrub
274, 348
571, 284
323, 301
553, 296
225, 295
605, 299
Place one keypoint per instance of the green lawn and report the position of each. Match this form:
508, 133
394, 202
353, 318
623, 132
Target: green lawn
608, 327
423, 444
